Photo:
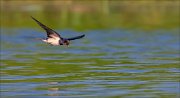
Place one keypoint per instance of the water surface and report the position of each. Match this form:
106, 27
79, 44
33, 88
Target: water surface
106, 63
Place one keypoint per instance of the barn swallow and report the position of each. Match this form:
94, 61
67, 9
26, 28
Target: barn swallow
53, 38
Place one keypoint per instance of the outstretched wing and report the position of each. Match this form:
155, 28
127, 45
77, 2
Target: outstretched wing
50, 33
77, 37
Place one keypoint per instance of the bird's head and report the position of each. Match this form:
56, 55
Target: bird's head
66, 42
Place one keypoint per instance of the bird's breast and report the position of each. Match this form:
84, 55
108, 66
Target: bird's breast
53, 41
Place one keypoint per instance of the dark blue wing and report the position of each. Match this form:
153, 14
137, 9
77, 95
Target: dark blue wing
77, 37
50, 33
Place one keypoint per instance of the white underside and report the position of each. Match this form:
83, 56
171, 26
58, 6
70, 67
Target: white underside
52, 41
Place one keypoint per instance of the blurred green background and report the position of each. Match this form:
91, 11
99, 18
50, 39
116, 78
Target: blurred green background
92, 14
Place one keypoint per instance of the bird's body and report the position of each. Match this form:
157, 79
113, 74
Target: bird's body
52, 41
54, 38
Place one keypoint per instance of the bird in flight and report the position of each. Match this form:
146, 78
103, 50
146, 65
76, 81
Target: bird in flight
53, 38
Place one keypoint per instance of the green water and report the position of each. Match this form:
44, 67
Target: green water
131, 49
106, 63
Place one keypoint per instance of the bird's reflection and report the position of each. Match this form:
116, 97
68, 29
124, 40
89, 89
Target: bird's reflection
53, 91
